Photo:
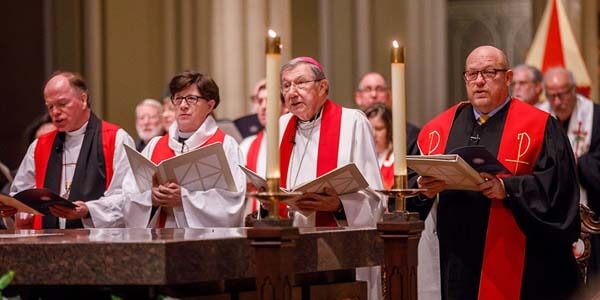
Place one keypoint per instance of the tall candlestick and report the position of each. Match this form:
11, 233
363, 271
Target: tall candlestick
273, 51
398, 110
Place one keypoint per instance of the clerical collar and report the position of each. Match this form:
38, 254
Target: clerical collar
183, 136
79, 131
312, 122
477, 113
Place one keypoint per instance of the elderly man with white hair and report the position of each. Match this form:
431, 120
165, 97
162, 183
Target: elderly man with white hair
148, 122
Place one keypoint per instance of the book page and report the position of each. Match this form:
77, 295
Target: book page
256, 180
201, 169
456, 172
143, 169
343, 180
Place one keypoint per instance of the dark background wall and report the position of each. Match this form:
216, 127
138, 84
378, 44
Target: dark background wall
22, 65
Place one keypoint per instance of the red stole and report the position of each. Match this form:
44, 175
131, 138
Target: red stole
43, 149
327, 155
520, 145
387, 171
162, 151
252, 157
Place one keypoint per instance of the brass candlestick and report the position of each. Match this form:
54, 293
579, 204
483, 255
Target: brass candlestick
399, 192
272, 197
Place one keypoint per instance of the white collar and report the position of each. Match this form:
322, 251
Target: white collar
206, 130
77, 132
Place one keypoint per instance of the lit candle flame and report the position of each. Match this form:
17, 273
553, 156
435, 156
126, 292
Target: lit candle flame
272, 33
395, 44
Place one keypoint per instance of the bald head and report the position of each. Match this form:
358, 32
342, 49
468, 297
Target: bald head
66, 98
372, 89
487, 78
559, 85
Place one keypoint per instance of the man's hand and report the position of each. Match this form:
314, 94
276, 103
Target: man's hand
7, 211
167, 195
79, 212
326, 201
492, 187
432, 184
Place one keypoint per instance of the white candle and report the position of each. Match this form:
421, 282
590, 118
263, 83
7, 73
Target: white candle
398, 109
273, 51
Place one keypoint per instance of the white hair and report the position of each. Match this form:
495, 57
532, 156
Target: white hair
150, 102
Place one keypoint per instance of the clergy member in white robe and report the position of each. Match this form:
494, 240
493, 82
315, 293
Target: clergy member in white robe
170, 205
317, 136
83, 160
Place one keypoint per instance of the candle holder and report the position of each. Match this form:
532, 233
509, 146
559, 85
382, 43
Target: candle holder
272, 197
399, 192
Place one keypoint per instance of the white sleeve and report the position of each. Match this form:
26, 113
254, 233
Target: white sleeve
216, 207
364, 208
25, 178
107, 210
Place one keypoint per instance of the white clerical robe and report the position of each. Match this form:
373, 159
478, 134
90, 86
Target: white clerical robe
104, 212
261, 165
211, 208
356, 145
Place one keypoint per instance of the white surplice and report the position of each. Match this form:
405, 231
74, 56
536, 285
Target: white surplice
211, 208
356, 145
104, 212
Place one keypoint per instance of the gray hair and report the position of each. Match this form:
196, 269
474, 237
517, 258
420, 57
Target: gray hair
299, 60
536, 77
560, 70
150, 102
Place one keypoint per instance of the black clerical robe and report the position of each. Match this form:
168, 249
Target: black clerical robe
588, 168
544, 205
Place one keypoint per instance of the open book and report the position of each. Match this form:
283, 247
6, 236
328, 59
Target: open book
461, 169
35, 201
343, 180
198, 170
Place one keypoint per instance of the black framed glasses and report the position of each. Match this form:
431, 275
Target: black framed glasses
486, 74
561, 95
301, 85
189, 99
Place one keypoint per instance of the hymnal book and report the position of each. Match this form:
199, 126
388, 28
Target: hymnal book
201, 169
343, 180
35, 201
461, 169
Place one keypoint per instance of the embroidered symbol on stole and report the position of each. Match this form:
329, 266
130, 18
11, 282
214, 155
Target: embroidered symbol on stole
579, 138
523, 136
432, 148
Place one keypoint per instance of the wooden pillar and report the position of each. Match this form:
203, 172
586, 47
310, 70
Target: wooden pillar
399, 270
274, 260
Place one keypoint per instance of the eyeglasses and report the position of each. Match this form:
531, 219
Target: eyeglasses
286, 87
189, 100
377, 89
561, 95
486, 74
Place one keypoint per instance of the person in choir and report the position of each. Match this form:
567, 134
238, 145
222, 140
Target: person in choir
511, 239
580, 118
148, 122
168, 114
526, 84
250, 124
83, 160
170, 205
372, 89
317, 136
254, 147
381, 122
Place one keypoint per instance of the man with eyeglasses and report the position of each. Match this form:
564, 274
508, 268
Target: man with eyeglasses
580, 118
526, 84
170, 205
372, 89
83, 160
512, 238
319, 135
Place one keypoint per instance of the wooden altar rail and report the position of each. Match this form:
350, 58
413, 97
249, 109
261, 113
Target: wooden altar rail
218, 262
